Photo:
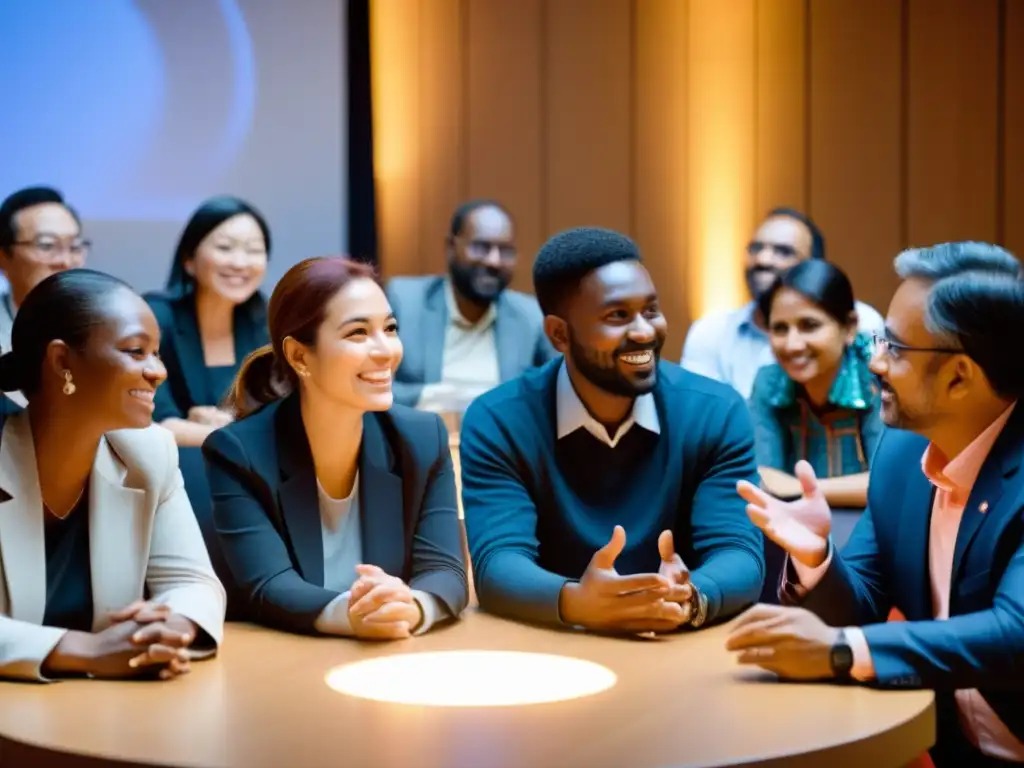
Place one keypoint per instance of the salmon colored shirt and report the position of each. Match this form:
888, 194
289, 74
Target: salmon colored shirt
953, 481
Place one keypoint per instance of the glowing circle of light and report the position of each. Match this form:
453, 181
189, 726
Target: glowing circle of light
471, 678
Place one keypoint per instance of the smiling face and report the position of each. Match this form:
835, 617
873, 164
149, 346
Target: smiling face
357, 350
118, 370
807, 342
232, 260
778, 244
615, 329
482, 256
48, 240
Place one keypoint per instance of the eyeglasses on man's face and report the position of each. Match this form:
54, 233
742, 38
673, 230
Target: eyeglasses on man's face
893, 349
50, 248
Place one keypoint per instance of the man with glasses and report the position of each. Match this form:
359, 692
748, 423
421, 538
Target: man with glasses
39, 235
732, 345
942, 539
466, 332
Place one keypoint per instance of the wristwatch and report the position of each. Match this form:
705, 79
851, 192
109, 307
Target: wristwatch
840, 657
698, 607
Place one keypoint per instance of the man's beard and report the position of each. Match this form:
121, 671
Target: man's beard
610, 378
467, 281
759, 280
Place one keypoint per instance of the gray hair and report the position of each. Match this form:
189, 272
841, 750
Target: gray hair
976, 304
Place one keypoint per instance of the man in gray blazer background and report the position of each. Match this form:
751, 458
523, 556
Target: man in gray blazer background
466, 332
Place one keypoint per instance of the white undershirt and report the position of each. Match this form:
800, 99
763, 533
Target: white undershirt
343, 550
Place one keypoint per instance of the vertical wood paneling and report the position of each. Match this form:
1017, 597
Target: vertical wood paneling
441, 126
722, 42
504, 134
856, 137
952, 119
660, 140
1013, 129
394, 56
781, 105
588, 113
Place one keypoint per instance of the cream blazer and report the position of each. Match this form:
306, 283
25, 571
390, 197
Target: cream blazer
142, 535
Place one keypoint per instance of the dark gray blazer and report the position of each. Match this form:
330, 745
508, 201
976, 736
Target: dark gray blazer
419, 305
267, 515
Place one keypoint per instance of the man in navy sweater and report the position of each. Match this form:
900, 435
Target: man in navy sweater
606, 441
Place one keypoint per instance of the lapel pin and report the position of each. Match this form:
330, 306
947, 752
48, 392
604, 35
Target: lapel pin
983, 507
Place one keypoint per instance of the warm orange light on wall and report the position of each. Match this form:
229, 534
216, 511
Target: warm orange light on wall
722, 140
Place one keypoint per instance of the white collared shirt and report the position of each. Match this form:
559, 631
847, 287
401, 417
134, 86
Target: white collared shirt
573, 415
469, 362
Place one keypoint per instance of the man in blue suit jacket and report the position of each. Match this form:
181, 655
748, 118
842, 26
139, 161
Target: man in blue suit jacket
467, 332
942, 539
608, 441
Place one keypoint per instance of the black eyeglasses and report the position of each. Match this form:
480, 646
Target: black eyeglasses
754, 247
481, 249
891, 348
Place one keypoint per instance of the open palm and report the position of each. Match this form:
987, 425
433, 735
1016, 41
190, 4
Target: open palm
800, 527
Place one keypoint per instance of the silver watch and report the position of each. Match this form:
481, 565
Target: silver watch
698, 608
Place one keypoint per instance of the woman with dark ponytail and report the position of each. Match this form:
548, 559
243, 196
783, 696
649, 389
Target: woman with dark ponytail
93, 515
335, 509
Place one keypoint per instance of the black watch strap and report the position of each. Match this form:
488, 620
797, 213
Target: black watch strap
841, 657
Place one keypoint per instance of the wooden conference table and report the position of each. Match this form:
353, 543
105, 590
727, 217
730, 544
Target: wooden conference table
678, 701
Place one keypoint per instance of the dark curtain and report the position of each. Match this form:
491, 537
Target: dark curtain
362, 209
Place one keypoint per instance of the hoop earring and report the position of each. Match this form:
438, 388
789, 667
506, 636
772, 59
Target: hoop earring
69, 385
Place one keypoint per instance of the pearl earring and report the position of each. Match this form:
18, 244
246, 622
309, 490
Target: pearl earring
69, 385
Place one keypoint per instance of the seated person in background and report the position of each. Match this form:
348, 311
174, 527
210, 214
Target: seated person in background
336, 511
95, 520
468, 332
211, 314
553, 461
819, 403
732, 345
40, 234
941, 537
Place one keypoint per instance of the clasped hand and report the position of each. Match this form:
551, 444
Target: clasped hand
644, 602
382, 607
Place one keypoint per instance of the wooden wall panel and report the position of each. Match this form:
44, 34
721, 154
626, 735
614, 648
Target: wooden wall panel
1013, 128
661, 167
856, 138
952, 118
781, 154
440, 129
504, 119
588, 114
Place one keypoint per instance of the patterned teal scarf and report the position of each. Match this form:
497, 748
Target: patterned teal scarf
854, 387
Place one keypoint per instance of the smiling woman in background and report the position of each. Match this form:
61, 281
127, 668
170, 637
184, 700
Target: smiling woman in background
819, 402
335, 509
94, 516
211, 314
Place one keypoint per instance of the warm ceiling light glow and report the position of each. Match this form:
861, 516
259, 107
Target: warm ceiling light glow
471, 678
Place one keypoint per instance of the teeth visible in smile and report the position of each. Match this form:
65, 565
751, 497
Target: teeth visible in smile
377, 377
638, 358
142, 394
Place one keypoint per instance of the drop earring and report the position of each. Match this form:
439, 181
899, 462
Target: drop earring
69, 385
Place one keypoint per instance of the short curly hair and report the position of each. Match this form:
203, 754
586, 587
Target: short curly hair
566, 258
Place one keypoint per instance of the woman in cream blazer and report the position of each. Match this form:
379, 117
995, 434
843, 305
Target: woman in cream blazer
103, 570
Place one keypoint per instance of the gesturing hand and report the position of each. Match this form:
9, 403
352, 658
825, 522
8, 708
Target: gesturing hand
800, 527
791, 642
604, 600
674, 569
382, 607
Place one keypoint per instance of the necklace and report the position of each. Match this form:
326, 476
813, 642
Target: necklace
69, 510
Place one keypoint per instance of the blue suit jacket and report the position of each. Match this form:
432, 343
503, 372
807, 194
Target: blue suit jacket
885, 565
419, 305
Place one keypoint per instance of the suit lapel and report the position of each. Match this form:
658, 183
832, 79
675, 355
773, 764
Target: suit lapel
188, 346
119, 536
913, 544
22, 537
380, 501
300, 504
435, 321
983, 504
506, 340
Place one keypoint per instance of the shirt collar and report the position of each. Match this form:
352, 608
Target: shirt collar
957, 476
573, 415
745, 317
457, 318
